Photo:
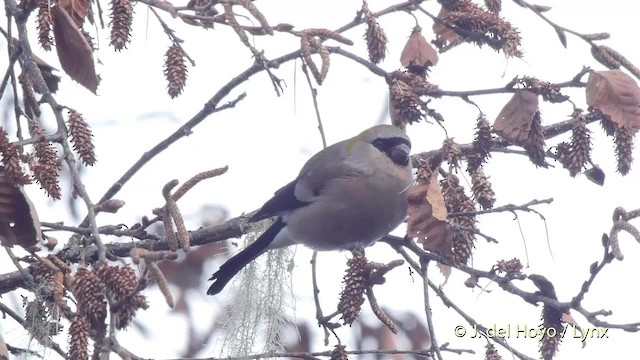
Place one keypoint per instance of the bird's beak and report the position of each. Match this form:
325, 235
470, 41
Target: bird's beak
400, 154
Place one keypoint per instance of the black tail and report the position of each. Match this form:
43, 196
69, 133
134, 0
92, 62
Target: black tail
233, 266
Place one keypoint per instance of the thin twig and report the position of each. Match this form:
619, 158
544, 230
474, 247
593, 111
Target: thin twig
594, 270
507, 89
55, 137
316, 298
314, 96
505, 208
172, 36
26, 276
7, 75
424, 265
11, 45
115, 230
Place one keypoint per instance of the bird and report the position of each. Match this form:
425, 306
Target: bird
350, 194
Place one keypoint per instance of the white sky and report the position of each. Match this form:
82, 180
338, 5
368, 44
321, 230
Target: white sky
132, 113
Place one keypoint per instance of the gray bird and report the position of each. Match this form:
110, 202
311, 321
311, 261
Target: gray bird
352, 193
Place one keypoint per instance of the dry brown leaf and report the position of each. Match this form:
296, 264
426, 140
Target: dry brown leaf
19, 224
568, 319
514, 121
616, 94
428, 217
77, 10
74, 51
417, 54
445, 270
4, 351
446, 38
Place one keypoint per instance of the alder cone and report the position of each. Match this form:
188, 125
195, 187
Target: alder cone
376, 41
121, 19
120, 282
491, 353
11, 166
175, 70
89, 292
580, 148
339, 353
78, 338
352, 296
482, 191
81, 137
534, 146
624, 149
45, 24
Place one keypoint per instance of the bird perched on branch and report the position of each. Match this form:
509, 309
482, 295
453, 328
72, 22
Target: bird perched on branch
352, 193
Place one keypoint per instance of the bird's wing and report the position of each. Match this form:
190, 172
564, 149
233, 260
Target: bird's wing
284, 199
323, 167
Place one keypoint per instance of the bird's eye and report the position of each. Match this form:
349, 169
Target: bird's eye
400, 154
397, 149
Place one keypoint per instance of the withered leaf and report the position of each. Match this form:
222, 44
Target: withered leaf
77, 10
446, 38
417, 54
568, 319
445, 270
514, 121
74, 52
428, 217
19, 224
616, 94
4, 351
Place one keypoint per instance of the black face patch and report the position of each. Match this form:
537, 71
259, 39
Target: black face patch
389, 146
